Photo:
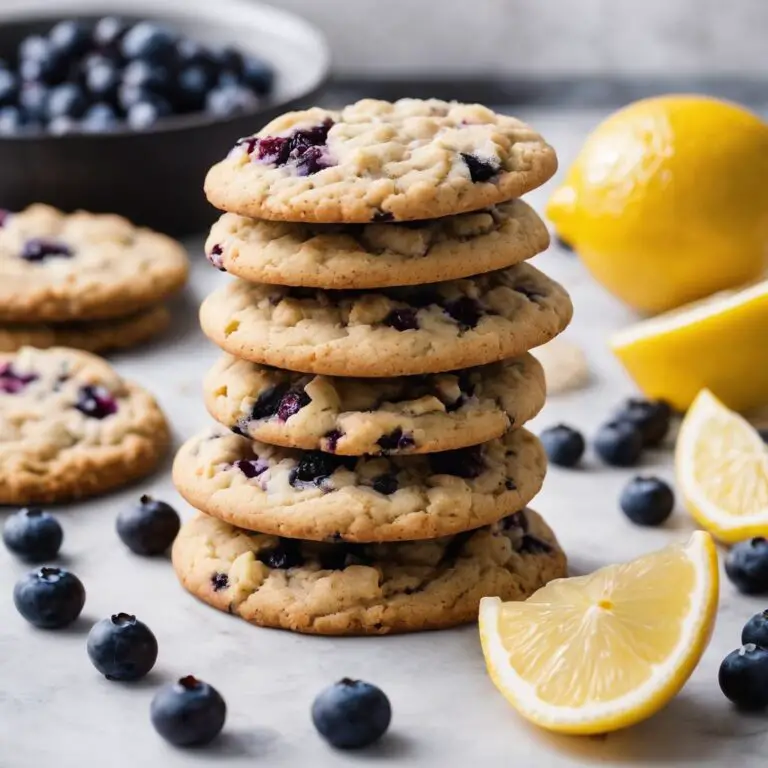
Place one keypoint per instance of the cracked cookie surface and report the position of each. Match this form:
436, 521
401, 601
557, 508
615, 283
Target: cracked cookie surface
323, 496
392, 331
380, 161
70, 427
346, 416
337, 589
376, 255
82, 266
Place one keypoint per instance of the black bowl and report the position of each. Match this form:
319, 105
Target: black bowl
155, 177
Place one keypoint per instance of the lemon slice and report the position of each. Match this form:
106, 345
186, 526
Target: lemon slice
596, 653
722, 471
718, 344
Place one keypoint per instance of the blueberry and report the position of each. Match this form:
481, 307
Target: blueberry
11, 121
33, 47
385, 484
62, 126
480, 169
99, 118
229, 58
188, 712
314, 466
743, 677
351, 714
109, 31
144, 114
619, 443
647, 501
746, 565
286, 554
41, 248
70, 38
396, 440
96, 402
147, 76
33, 535
227, 100
193, 82
50, 69
12, 381
190, 52
563, 444
149, 41
402, 319
130, 95
66, 100
9, 88
463, 462
149, 527
33, 101
465, 311
122, 647
49, 598
102, 81
258, 76
756, 630
291, 403
651, 417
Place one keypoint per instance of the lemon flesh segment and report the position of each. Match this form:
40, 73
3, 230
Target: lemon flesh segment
718, 344
722, 471
596, 653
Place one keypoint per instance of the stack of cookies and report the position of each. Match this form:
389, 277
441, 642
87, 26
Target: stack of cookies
91, 281
371, 473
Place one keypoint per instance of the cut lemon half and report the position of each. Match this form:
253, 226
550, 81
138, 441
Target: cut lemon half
718, 344
722, 471
596, 653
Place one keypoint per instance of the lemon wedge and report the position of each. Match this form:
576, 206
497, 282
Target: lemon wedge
722, 471
718, 344
596, 653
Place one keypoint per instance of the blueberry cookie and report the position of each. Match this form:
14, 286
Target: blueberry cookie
409, 414
392, 331
376, 255
70, 427
375, 589
91, 336
380, 161
327, 497
82, 266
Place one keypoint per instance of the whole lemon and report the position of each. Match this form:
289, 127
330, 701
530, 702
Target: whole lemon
667, 201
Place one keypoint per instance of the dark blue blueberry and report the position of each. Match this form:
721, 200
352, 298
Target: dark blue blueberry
9, 88
149, 41
287, 554
480, 169
219, 581
311, 161
41, 248
465, 311
188, 712
563, 444
746, 565
402, 319
647, 501
396, 440
464, 462
102, 82
268, 402
33, 47
95, 402
351, 714
190, 52
109, 31
192, 87
332, 440
258, 76
229, 59
66, 100
228, 77
49, 598
70, 38
122, 648
385, 484
11, 121
149, 527
33, 535
227, 100
756, 630
62, 126
251, 467
147, 77
33, 100
291, 403
651, 417
130, 95
743, 677
340, 556
49, 69
619, 443
100, 118
12, 381
145, 114
315, 466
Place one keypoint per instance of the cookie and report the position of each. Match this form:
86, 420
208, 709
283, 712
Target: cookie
90, 336
376, 255
326, 497
392, 331
380, 161
410, 414
82, 266
70, 427
342, 589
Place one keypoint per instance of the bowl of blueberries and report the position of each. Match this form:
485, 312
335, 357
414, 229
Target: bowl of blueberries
122, 105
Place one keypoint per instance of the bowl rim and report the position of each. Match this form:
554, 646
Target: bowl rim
19, 11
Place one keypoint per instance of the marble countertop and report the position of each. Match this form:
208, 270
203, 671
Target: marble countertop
56, 710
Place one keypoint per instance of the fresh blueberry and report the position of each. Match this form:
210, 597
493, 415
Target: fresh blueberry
70, 38
49, 69
191, 53
109, 31
130, 95
563, 444
62, 126
192, 85
33, 47
619, 443
479, 168
147, 76
743, 677
756, 630
33, 101
102, 81
99, 118
122, 647
11, 121
188, 712
49, 598
228, 58
149, 527
144, 114
651, 417
9, 88
227, 100
647, 501
33, 535
258, 76
67, 100
746, 565
96, 402
351, 714
149, 41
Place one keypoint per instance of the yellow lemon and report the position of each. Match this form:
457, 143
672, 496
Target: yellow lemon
597, 653
667, 201
720, 343
721, 465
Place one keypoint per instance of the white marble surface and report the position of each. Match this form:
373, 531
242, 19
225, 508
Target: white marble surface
55, 710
